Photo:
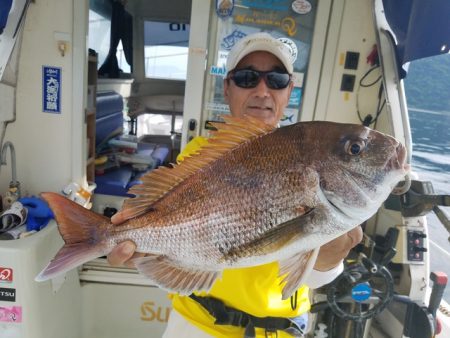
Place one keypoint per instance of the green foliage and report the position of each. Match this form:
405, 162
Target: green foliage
427, 84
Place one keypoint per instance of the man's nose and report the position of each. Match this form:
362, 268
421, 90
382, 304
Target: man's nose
261, 89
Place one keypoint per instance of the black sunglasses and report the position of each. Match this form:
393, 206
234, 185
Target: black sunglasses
249, 78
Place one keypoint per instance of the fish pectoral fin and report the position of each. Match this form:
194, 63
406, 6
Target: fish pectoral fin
274, 239
169, 275
295, 270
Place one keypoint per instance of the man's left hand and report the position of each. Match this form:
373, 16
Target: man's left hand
332, 253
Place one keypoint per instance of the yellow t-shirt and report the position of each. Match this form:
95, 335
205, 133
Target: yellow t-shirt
255, 290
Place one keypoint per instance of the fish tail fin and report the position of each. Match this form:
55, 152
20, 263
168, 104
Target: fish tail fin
83, 231
68, 258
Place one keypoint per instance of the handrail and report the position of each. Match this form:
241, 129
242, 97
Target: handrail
5, 147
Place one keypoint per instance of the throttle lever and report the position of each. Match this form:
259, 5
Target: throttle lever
440, 280
423, 203
419, 200
442, 217
385, 260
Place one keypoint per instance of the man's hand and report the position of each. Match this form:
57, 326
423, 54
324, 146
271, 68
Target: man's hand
332, 253
118, 218
124, 252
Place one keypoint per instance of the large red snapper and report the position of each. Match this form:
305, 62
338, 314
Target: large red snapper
253, 195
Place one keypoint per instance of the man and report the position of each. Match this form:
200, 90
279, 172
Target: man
258, 84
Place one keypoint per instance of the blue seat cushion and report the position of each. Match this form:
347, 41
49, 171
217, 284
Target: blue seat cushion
107, 127
114, 182
160, 154
108, 102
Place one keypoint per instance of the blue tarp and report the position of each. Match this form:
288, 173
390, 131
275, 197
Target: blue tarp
421, 27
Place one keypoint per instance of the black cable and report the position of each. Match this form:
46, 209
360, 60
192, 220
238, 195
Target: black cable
379, 108
369, 119
294, 300
366, 75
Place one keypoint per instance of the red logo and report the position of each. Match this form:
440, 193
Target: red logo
6, 275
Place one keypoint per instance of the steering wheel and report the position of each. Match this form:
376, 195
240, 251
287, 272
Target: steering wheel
366, 286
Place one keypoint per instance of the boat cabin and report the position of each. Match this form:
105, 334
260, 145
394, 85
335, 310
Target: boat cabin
94, 94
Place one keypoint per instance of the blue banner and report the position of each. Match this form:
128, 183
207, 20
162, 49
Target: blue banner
51, 89
296, 97
274, 5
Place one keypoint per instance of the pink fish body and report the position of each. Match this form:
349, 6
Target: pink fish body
253, 195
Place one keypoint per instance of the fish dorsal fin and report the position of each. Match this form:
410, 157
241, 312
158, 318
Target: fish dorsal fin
156, 183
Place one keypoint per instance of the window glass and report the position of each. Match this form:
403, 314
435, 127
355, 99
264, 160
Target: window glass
158, 124
100, 36
427, 87
166, 50
123, 64
290, 21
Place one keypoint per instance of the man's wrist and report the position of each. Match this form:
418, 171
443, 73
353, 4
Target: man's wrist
318, 278
327, 268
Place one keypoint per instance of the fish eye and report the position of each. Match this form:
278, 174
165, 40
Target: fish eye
354, 147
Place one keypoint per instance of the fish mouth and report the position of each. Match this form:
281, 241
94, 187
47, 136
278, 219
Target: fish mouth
399, 169
398, 160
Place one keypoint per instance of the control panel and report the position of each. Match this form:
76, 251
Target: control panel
411, 244
415, 245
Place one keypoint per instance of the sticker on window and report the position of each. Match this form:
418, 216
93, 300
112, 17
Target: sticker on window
11, 314
6, 275
224, 8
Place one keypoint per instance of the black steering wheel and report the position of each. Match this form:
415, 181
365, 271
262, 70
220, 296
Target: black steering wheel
364, 285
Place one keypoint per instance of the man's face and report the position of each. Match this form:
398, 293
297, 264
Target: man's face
261, 102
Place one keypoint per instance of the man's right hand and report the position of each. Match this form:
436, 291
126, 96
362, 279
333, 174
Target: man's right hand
123, 254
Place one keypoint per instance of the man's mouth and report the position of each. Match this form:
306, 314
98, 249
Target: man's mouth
263, 108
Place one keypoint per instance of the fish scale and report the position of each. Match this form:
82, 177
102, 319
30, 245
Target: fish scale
271, 195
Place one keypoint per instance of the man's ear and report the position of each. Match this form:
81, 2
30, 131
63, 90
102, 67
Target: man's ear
291, 86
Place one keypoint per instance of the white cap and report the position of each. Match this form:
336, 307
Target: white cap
260, 42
